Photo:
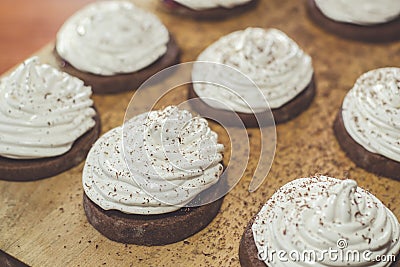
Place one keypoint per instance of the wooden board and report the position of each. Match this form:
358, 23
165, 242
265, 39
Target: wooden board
43, 223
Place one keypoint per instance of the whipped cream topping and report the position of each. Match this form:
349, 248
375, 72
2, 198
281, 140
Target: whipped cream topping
170, 158
112, 37
208, 4
42, 111
371, 112
314, 213
361, 12
270, 58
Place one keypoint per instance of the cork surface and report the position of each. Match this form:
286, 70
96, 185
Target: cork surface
43, 223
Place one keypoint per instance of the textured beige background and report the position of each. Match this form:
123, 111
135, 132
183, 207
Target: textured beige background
43, 224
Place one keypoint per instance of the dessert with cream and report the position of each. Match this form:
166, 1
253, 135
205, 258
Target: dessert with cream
138, 181
209, 9
114, 46
368, 124
281, 70
366, 20
318, 215
47, 121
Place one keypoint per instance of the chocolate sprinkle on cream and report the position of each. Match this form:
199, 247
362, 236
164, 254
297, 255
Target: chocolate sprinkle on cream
171, 157
314, 213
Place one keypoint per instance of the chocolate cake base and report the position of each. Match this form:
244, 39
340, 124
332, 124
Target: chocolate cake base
287, 112
122, 82
219, 13
7, 260
150, 230
248, 253
35, 169
385, 32
371, 162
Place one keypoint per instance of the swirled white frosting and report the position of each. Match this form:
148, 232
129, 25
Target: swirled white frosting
111, 37
170, 158
371, 112
313, 214
208, 4
42, 111
361, 12
270, 58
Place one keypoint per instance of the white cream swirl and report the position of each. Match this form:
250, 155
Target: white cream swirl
270, 58
209, 4
371, 112
312, 214
170, 158
42, 111
112, 37
361, 12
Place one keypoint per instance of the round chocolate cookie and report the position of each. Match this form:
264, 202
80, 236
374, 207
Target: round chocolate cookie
150, 230
248, 253
122, 82
369, 161
287, 112
211, 14
35, 169
384, 32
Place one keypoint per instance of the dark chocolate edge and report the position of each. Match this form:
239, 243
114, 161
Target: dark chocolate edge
210, 211
290, 110
122, 82
24, 172
7, 260
219, 13
380, 33
248, 252
364, 159
150, 229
